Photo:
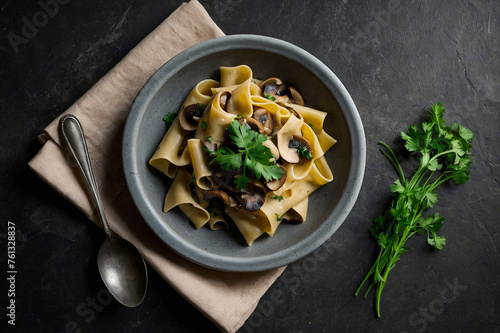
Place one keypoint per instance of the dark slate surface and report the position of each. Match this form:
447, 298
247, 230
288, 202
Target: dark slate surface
395, 57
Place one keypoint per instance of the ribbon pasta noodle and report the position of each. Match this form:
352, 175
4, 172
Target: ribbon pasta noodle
244, 151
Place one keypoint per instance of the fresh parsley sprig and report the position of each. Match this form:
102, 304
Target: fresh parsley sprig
250, 154
444, 154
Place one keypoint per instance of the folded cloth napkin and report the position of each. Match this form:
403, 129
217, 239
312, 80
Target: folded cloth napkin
226, 298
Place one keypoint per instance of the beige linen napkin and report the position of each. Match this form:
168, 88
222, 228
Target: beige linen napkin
227, 299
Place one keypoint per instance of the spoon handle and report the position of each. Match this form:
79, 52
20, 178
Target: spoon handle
73, 135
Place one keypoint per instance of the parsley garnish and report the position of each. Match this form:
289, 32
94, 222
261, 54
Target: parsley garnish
304, 151
204, 125
269, 97
210, 139
255, 158
169, 118
210, 152
278, 197
278, 217
443, 153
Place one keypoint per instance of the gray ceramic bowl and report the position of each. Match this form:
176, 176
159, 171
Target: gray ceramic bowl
226, 249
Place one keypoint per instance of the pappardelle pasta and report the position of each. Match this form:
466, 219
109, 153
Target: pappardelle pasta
244, 150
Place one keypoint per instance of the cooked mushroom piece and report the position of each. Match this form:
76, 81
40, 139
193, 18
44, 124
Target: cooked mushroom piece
295, 113
289, 152
296, 96
275, 88
274, 185
224, 97
222, 178
211, 145
272, 147
265, 118
253, 124
298, 142
217, 198
253, 196
226, 179
190, 117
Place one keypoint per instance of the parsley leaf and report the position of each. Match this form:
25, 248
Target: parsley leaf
304, 151
269, 97
255, 158
169, 118
242, 181
443, 153
228, 159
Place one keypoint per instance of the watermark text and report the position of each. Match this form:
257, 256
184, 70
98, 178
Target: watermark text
32, 24
11, 273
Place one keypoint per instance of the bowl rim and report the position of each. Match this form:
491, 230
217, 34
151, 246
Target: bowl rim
275, 259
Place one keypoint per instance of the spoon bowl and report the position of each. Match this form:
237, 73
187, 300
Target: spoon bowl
120, 256
120, 264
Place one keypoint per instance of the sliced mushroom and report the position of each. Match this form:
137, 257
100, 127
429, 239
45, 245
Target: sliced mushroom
254, 124
222, 178
275, 88
224, 97
298, 141
289, 152
274, 185
296, 97
217, 198
232, 188
227, 179
211, 145
190, 117
253, 196
272, 147
265, 118
294, 112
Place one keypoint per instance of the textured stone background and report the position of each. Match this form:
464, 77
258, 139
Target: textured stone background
395, 57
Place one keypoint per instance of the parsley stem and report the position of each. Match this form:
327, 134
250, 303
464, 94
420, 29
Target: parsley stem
368, 290
393, 159
370, 272
428, 179
417, 177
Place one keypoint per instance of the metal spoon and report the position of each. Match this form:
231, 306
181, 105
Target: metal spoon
121, 266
